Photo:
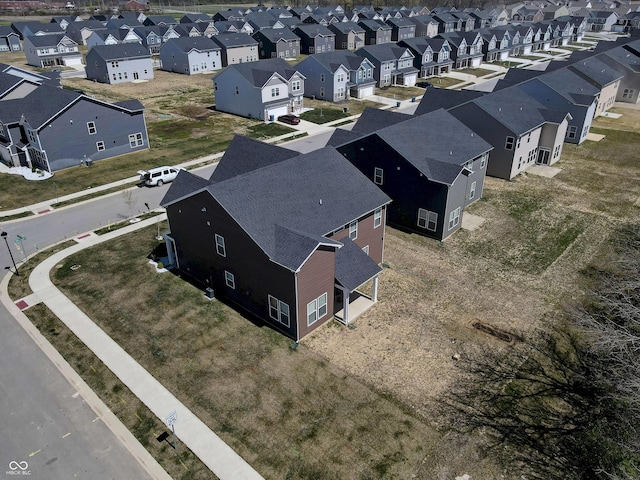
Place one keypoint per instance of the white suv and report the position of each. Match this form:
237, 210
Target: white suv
158, 176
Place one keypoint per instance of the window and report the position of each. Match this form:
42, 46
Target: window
628, 93
275, 91
230, 279
377, 217
353, 230
100, 145
571, 131
296, 86
91, 127
136, 140
220, 248
279, 310
378, 176
316, 309
454, 218
508, 144
427, 219
472, 190
322, 77
483, 160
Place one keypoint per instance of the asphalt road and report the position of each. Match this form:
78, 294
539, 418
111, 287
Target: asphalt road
43, 421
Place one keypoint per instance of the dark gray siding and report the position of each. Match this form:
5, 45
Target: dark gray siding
113, 127
407, 187
316, 277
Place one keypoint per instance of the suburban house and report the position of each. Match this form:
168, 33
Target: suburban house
9, 40
37, 28
165, 20
467, 22
112, 37
294, 265
447, 23
521, 130
51, 50
236, 48
327, 76
466, 48
563, 90
154, 36
601, 75
349, 35
496, 44
601, 20
315, 38
121, 63
432, 166
278, 42
626, 61
264, 90
375, 32
31, 129
426, 26
393, 64
196, 18
190, 55
426, 60
401, 28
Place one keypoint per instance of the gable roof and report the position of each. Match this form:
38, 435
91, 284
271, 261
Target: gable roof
187, 44
230, 40
246, 155
47, 40
120, 51
373, 119
317, 193
596, 70
277, 34
258, 73
437, 144
436, 98
353, 266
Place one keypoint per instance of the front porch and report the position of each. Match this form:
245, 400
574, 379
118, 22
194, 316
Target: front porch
356, 302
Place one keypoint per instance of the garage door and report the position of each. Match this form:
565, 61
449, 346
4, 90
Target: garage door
277, 111
410, 80
367, 91
72, 61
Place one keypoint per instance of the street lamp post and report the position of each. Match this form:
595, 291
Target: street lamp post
15, 267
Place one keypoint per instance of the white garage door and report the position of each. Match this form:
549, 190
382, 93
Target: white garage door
410, 80
367, 91
72, 61
276, 112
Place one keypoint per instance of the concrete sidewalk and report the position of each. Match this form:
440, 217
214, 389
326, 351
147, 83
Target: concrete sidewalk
191, 431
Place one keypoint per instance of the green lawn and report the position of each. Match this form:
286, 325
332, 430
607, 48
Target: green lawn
324, 115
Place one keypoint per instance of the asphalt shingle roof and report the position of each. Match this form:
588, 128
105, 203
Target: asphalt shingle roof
120, 51
597, 71
202, 44
245, 155
373, 119
259, 72
37, 107
437, 98
353, 266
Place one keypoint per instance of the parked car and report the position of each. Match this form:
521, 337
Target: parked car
289, 118
424, 84
158, 176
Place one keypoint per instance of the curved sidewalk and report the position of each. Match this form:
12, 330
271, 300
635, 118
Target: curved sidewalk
212, 451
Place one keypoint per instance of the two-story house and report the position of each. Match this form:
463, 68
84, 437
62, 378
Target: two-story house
315, 38
120, 63
51, 50
517, 126
375, 32
349, 35
32, 126
393, 64
277, 42
401, 28
264, 89
236, 48
291, 257
602, 76
327, 76
626, 61
432, 166
466, 48
426, 25
190, 55
112, 37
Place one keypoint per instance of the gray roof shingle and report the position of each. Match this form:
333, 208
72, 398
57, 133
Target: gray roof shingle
353, 266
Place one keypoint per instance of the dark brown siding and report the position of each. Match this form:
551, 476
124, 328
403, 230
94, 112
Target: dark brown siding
316, 277
367, 235
256, 276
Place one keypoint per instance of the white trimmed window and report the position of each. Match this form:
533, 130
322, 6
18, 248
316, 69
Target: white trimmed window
483, 160
472, 190
316, 309
136, 140
353, 230
230, 279
571, 131
220, 248
377, 217
279, 310
91, 127
454, 218
427, 219
378, 175
508, 144
100, 146
628, 93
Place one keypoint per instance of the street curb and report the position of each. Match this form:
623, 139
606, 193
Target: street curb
142, 456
